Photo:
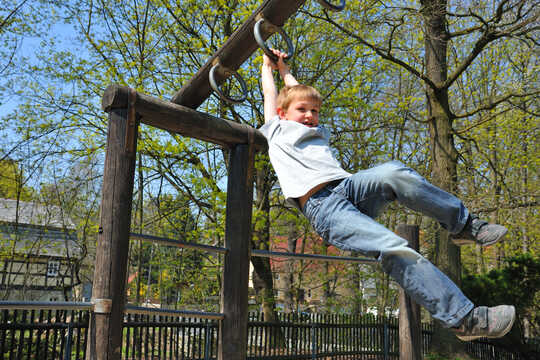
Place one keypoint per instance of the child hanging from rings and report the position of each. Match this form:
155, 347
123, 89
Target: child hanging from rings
342, 206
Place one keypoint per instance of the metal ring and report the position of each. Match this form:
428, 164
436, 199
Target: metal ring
331, 6
215, 87
265, 48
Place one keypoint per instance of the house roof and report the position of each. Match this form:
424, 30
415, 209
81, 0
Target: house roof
30, 213
41, 230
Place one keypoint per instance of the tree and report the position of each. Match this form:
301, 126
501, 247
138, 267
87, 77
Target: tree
152, 46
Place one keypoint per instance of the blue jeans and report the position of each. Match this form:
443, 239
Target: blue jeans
343, 215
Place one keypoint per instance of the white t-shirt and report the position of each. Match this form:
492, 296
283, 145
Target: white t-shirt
301, 156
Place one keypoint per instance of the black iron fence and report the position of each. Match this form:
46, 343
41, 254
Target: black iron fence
325, 336
43, 334
169, 337
62, 334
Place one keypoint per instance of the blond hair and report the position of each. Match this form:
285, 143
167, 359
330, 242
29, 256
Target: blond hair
290, 93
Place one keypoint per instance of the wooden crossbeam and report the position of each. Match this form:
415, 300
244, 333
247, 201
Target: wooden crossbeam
237, 49
182, 120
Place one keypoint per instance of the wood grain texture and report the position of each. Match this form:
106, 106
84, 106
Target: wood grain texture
234, 291
182, 120
410, 327
113, 240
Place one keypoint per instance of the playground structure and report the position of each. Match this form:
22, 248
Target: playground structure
127, 109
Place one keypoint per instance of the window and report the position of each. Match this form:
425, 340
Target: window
53, 266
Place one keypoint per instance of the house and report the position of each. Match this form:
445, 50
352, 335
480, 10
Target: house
39, 253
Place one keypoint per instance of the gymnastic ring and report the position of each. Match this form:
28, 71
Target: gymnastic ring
215, 87
331, 6
265, 48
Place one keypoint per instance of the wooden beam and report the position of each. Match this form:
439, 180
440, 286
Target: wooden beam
232, 343
410, 326
182, 120
109, 286
237, 49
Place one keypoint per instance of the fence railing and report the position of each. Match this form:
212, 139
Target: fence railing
320, 336
63, 333
168, 337
43, 334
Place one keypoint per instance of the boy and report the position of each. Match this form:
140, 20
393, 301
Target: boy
341, 206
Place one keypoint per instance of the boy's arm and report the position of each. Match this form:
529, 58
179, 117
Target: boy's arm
268, 85
269, 89
288, 78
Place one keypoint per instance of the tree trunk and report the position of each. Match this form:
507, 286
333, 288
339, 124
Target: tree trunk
357, 289
443, 152
262, 271
288, 280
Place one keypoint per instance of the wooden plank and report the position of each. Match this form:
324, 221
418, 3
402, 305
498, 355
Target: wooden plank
410, 327
182, 120
113, 239
234, 291
237, 49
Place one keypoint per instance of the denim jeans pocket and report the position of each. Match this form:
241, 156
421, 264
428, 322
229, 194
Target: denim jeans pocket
312, 211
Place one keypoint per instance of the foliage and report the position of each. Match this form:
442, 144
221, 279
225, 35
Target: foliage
517, 283
11, 182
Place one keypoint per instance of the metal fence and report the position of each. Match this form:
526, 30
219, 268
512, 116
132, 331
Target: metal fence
169, 337
43, 334
57, 333
484, 349
325, 336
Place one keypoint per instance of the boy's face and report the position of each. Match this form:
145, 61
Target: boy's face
303, 111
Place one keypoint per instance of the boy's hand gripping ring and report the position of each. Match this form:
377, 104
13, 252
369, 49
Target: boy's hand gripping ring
272, 28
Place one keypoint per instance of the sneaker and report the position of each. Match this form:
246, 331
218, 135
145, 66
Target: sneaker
486, 322
478, 231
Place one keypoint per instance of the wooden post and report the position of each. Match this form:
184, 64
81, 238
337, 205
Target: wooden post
234, 293
410, 328
108, 292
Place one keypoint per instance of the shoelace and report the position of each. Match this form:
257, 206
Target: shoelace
476, 224
478, 316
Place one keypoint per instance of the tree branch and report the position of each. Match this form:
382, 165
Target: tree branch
512, 206
480, 122
492, 33
492, 104
383, 53
11, 14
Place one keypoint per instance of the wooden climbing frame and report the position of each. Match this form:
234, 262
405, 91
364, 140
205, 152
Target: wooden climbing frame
127, 109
